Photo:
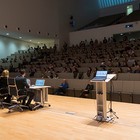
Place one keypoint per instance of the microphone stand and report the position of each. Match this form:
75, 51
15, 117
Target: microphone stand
110, 108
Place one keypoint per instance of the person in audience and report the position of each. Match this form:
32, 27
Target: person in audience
110, 71
32, 73
120, 70
129, 70
81, 75
137, 69
91, 42
75, 72
64, 69
105, 40
85, 93
56, 76
23, 87
62, 88
89, 71
50, 76
4, 85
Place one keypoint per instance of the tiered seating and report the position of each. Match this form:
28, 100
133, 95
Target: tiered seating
134, 16
104, 21
114, 56
113, 19
78, 60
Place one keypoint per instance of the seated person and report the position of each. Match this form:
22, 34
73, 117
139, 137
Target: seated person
62, 88
87, 90
4, 85
23, 87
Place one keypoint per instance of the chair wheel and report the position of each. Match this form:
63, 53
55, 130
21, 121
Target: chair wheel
33, 109
2, 107
49, 105
21, 110
9, 111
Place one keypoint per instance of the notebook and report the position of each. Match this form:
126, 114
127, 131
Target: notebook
100, 76
39, 82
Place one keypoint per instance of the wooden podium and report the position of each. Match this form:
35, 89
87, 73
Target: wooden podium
101, 90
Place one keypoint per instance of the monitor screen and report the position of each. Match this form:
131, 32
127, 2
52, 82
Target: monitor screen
40, 82
101, 73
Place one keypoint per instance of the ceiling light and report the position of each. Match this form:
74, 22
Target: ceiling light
18, 28
7, 33
5, 26
20, 37
30, 40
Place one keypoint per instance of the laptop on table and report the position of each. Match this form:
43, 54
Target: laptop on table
100, 76
39, 82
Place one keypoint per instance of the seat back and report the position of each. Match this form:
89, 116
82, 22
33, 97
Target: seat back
12, 88
3, 83
3, 88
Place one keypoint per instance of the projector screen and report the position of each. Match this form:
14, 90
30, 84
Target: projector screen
110, 3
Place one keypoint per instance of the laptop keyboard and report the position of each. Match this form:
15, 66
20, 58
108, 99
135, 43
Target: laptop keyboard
99, 78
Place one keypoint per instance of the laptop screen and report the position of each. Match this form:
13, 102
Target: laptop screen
39, 82
101, 73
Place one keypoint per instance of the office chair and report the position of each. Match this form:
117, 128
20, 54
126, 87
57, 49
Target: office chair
3, 92
3, 95
13, 91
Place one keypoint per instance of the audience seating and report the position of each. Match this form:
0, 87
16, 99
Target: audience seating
134, 16
86, 55
104, 21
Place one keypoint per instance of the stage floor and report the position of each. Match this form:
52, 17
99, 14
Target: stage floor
70, 118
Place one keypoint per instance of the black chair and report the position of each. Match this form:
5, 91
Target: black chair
4, 92
3, 95
91, 93
13, 91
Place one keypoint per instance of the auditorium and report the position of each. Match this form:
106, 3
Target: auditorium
69, 71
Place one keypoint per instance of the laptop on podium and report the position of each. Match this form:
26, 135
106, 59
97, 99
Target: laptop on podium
100, 76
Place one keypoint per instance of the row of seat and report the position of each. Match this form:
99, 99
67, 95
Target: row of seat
123, 91
120, 76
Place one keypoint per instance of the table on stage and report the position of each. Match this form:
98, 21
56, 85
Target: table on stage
43, 94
